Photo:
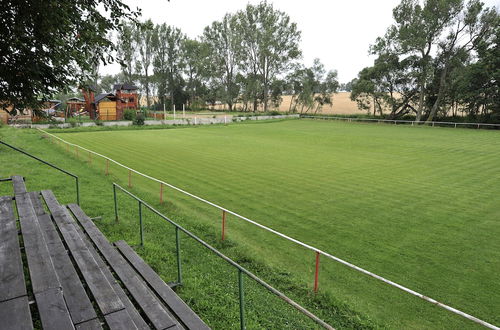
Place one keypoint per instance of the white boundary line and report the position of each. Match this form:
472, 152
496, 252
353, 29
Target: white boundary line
307, 246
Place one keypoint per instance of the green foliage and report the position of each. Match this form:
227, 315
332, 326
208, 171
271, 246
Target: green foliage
139, 119
129, 114
269, 46
72, 121
144, 42
313, 87
422, 55
224, 42
53, 44
126, 49
168, 60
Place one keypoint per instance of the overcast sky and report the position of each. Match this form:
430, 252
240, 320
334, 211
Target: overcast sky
338, 32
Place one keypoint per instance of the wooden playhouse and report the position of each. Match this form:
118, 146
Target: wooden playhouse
111, 106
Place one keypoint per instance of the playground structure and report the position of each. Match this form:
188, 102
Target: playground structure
110, 106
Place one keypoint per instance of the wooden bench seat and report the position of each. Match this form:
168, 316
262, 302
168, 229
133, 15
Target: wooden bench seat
169, 297
77, 278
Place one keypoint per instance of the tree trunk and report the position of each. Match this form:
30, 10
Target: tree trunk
420, 100
148, 103
291, 102
442, 85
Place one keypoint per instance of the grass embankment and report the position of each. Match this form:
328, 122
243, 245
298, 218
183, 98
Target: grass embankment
408, 203
210, 285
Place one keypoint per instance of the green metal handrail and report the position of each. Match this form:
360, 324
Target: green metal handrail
241, 269
51, 165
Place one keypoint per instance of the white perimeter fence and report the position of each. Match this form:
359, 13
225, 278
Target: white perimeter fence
407, 122
317, 251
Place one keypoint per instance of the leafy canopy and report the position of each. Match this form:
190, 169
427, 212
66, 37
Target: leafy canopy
46, 46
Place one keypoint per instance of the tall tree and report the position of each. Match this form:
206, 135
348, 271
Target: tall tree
416, 30
315, 86
389, 84
270, 44
126, 49
224, 42
196, 56
472, 25
478, 84
144, 42
43, 45
168, 60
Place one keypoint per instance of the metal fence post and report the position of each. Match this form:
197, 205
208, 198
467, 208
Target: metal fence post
116, 205
223, 224
77, 191
140, 223
316, 273
242, 299
178, 253
161, 193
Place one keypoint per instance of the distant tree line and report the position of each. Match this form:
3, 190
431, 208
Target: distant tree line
249, 58
439, 57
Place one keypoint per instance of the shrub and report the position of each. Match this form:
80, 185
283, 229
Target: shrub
129, 115
98, 122
139, 119
72, 121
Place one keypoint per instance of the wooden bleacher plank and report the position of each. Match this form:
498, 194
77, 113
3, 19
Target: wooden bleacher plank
182, 311
42, 272
98, 284
18, 184
52, 310
76, 298
46, 287
51, 202
15, 314
120, 320
129, 306
37, 204
12, 283
152, 307
55, 207
94, 324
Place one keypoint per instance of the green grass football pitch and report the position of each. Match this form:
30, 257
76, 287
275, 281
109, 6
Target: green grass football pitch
417, 205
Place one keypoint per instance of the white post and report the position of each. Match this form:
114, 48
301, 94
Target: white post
174, 111
195, 120
225, 120
183, 110
164, 112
